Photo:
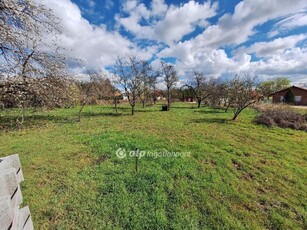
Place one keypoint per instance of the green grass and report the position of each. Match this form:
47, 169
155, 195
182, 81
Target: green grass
239, 176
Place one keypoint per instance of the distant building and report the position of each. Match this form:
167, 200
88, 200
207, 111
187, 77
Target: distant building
300, 95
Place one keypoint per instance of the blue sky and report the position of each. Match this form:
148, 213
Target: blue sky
219, 38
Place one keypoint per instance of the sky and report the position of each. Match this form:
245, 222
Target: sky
221, 38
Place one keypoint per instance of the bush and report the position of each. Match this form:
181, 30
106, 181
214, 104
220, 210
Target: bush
281, 116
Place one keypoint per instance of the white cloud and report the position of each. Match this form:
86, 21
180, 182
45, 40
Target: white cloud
93, 44
237, 28
285, 60
173, 22
272, 48
168, 24
206, 53
292, 21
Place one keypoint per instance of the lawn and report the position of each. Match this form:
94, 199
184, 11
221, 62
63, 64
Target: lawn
239, 175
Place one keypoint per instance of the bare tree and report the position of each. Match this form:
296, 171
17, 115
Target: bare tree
153, 86
129, 75
87, 93
170, 78
112, 92
242, 93
148, 79
199, 87
98, 87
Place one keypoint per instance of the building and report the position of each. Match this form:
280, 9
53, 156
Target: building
300, 95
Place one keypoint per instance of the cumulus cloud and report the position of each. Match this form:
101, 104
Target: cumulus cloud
206, 51
235, 29
281, 59
93, 44
272, 48
165, 23
163, 26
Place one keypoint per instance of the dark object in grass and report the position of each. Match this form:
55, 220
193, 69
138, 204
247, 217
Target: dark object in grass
164, 108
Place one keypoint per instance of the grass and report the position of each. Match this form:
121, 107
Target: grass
239, 175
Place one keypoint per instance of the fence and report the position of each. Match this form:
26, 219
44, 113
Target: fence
12, 217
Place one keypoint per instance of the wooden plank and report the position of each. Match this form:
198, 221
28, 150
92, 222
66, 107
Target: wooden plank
10, 186
11, 217
6, 212
8, 182
12, 161
24, 219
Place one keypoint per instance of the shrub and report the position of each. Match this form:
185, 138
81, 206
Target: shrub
281, 116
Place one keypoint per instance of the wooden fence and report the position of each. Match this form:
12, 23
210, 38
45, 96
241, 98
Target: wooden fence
12, 217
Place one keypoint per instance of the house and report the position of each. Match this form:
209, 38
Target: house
300, 95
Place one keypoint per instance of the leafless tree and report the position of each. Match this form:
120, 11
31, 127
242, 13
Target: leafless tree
129, 75
98, 87
242, 93
199, 86
170, 78
148, 80
111, 92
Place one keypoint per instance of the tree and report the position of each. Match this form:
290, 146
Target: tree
99, 87
112, 92
242, 93
272, 86
148, 79
199, 87
26, 60
88, 92
170, 78
289, 97
129, 75
24, 27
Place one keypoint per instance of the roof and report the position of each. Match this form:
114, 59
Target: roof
293, 86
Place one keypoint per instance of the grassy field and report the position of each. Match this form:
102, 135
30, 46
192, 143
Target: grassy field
239, 175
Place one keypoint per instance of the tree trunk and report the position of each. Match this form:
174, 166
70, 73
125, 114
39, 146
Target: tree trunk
199, 102
168, 99
143, 104
237, 112
22, 116
80, 111
226, 110
235, 117
132, 110
115, 104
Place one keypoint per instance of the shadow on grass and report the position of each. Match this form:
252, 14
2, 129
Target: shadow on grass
213, 111
184, 107
101, 114
145, 111
10, 122
211, 120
